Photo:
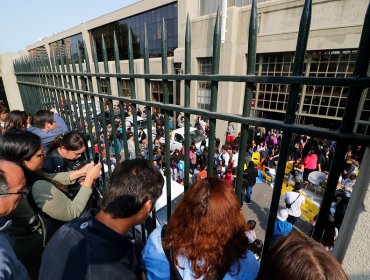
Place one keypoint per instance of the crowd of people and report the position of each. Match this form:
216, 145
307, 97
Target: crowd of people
62, 231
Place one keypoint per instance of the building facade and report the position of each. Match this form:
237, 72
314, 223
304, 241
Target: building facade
335, 31
334, 36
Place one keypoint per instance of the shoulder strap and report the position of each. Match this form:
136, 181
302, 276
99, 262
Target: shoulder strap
174, 273
296, 198
32, 202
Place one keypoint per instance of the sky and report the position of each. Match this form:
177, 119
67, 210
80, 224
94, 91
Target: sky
24, 22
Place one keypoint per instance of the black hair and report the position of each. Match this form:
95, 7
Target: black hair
132, 183
21, 145
297, 186
16, 118
251, 164
3, 109
251, 224
42, 117
256, 247
72, 141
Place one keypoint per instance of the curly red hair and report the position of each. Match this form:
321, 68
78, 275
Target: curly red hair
208, 228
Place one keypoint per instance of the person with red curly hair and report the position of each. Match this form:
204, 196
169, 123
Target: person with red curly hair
204, 239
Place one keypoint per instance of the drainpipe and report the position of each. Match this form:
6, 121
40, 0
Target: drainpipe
223, 21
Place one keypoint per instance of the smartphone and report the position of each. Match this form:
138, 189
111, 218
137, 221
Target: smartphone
96, 158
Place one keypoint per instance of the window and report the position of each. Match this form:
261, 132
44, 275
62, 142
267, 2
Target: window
207, 7
38, 53
103, 84
363, 117
68, 47
157, 91
126, 89
204, 87
153, 19
273, 97
241, 3
317, 101
328, 101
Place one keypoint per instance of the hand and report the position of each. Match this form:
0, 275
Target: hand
75, 174
91, 174
54, 110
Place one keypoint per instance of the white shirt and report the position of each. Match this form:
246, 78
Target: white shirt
295, 209
235, 158
226, 158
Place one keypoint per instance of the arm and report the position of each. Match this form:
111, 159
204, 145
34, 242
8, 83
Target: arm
56, 204
69, 177
61, 125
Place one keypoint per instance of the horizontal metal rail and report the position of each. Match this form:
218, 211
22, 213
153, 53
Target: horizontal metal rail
293, 80
52, 81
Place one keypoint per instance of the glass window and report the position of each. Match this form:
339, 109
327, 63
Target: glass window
126, 89
153, 19
204, 87
68, 47
38, 53
319, 101
157, 91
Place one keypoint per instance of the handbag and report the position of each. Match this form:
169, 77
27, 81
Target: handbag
49, 226
288, 205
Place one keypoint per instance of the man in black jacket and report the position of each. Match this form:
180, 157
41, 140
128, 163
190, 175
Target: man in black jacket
249, 180
96, 246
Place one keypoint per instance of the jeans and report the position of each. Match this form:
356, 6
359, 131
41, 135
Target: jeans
247, 194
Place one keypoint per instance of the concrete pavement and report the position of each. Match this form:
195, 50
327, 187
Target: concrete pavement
258, 210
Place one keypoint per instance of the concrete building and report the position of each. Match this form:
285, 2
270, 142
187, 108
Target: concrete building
334, 36
335, 31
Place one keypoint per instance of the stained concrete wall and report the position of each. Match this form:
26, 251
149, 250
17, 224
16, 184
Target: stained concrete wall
10, 81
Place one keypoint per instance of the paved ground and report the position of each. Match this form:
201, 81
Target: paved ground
259, 210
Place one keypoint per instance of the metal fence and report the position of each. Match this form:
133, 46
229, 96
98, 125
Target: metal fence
68, 85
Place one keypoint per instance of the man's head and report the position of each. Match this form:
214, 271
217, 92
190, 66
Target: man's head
297, 186
44, 119
133, 188
12, 186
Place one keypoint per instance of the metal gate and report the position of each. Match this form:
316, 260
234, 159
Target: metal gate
68, 85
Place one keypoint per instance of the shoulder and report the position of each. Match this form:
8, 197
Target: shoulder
247, 268
154, 259
41, 186
154, 243
10, 266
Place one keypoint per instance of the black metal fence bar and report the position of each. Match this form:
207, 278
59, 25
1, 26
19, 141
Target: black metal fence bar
187, 102
251, 66
347, 125
303, 32
214, 93
52, 82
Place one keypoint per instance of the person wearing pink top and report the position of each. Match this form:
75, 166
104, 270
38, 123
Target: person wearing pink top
310, 164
